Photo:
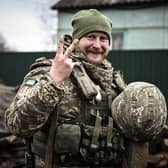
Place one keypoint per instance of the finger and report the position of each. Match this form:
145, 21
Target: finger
71, 47
75, 64
60, 47
69, 62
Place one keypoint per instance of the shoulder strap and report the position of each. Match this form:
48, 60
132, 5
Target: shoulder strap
41, 62
29, 155
88, 88
51, 140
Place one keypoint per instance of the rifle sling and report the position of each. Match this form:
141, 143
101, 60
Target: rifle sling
51, 140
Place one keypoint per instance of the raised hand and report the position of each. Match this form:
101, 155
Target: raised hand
63, 65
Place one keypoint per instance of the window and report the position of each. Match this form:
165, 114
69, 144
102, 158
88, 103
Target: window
117, 38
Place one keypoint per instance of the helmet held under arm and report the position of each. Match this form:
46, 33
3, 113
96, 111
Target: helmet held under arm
140, 111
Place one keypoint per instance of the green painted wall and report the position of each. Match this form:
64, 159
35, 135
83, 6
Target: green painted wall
137, 65
14, 66
145, 28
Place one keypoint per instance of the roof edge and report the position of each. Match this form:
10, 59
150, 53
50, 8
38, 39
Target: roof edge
119, 5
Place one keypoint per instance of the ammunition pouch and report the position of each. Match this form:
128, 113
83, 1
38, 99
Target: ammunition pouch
67, 139
101, 145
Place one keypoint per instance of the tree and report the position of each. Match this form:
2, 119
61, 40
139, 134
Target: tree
3, 44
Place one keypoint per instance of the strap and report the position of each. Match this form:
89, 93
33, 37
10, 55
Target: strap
88, 88
51, 140
29, 155
109, 132
96, 132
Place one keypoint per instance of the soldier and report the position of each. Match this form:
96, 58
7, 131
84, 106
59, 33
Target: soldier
65, 103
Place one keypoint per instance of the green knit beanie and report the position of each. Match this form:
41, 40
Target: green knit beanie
86, 21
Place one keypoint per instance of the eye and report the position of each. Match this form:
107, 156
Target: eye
91, 37
103, 38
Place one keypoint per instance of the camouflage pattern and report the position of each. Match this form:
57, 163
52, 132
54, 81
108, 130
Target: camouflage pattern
140, 111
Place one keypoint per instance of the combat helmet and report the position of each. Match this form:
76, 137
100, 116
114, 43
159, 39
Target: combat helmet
140, 111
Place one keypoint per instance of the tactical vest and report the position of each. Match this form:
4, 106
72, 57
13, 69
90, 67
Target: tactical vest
91, 139
101, 142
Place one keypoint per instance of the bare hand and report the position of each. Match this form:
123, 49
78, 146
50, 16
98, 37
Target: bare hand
63, 65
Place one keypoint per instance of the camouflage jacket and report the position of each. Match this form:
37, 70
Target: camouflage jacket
38, 98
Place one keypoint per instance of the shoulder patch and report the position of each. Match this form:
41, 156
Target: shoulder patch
30, 82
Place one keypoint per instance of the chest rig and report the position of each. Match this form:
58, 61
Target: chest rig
101, 142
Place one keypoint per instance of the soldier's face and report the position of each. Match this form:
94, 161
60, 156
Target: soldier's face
95, 46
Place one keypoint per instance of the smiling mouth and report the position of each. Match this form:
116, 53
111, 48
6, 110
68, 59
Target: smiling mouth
95, 53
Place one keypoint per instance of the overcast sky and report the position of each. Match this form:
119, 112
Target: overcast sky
28, 25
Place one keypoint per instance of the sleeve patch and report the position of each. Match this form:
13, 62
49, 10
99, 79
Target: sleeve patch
30, 82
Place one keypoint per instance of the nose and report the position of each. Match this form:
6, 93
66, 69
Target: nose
97, 43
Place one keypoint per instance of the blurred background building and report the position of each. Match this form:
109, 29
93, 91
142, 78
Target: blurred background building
137, 24
36, 25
